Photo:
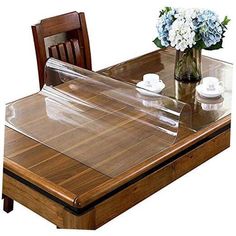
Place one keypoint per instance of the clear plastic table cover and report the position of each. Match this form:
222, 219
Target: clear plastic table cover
101, 122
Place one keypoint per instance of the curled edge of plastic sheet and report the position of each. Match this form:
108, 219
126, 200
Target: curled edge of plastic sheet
101, 122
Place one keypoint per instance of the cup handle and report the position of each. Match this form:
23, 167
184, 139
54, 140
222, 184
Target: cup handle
221, 83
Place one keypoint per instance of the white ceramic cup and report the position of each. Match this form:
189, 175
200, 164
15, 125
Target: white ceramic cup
211, 84
151, 79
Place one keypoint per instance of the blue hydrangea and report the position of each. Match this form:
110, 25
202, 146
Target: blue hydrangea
209, 27
163, 27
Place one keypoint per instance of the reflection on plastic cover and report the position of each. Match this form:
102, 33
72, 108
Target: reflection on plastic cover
210, 104
103, 123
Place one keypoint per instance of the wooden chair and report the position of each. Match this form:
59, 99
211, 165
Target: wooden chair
63, 37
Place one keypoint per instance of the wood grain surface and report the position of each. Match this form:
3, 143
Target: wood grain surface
106, 210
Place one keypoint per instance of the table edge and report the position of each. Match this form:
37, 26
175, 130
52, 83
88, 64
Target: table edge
135, 172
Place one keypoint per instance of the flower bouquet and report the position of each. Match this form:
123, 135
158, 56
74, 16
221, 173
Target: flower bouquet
189, 31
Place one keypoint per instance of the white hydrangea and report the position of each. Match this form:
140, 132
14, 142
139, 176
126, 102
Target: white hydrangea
181, 34
187, 14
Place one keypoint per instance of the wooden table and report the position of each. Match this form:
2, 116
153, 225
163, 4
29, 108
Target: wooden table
73, 195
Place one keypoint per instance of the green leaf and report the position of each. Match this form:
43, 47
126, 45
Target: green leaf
200, 44
165, 10
225, 21
168, 9
215, 46
157, 41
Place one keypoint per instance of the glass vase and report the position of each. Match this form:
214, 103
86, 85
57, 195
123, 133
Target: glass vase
188, 65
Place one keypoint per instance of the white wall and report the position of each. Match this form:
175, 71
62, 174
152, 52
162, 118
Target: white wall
202, 202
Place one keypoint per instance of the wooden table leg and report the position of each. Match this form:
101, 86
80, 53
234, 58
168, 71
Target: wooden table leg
7, 204
51, 210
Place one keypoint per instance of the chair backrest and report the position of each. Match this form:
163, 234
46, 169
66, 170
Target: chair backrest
63, 37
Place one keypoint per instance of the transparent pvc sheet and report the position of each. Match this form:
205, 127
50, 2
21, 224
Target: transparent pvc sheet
103, 123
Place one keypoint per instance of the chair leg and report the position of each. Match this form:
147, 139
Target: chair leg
7, 204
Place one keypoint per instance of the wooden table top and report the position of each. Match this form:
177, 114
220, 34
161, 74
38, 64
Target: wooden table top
76, 183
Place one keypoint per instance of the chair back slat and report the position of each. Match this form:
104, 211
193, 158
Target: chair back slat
53, 52
70, 53
77, 52
62, 52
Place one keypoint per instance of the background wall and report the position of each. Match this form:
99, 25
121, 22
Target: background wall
200, 203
